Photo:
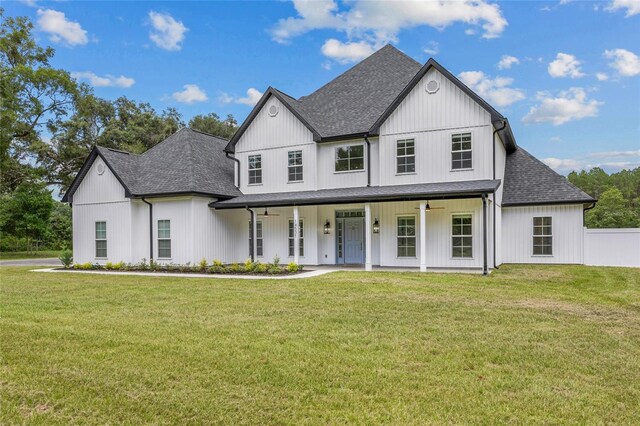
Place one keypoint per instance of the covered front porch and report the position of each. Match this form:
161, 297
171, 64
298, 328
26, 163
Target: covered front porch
428, 229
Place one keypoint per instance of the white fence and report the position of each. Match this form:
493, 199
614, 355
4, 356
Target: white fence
612, 247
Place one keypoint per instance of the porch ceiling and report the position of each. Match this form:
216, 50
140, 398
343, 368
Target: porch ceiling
421, 191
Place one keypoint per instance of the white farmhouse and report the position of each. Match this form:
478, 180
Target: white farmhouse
392, 164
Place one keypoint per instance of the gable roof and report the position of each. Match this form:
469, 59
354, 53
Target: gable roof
528, 181
187, 162
357, 102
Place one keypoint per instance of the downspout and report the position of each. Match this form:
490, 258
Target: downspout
251, 232
237, 161
495, 132
366, 140
484, 234
584, 212
150, 228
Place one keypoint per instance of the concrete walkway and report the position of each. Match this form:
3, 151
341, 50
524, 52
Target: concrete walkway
48, 261
309, 274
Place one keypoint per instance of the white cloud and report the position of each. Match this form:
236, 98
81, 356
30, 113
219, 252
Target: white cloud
379, 22
167, 33
625, 62
632, 6
60, 29
507, 61
433, 48
252, 98
191, 93
105, 81
495, 91
569, 105
559, 164
345, 53
601, 76
565, 65
30, 3
609, 154
470, 31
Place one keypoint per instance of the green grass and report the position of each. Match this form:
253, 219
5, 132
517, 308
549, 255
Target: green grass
18, 255
533, 345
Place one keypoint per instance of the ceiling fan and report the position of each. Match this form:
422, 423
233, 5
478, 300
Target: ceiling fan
267, 214
429, 208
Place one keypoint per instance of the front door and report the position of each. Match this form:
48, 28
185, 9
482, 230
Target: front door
354, 240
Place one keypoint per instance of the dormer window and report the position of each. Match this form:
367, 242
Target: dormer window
461, 151
255, 169
349, 158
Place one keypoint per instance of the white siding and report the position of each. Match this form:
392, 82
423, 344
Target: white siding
327, 176
96, 188
517, 234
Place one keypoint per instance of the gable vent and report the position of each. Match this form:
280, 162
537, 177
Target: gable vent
273, 110
432, 86
100, 168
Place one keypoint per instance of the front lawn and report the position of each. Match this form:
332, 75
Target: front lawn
556, 344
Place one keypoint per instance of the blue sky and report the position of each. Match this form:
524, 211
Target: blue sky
566, 74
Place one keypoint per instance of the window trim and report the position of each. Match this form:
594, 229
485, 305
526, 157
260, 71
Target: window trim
415, 237
300, 246
96, 239
406, 156
158, 239
335, 158
249, 170
451, 151
533, 236
451, 256
258, 222
290, 166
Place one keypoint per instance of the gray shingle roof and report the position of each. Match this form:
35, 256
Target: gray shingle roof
186, 162
528, 181
367, 193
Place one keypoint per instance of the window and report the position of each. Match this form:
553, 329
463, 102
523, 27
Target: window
259, 249
255, 169
542, 236
406, 156
461, 151
164, 239
406, 236
292, 236
349, 158
295, 166
101, 239
461, 236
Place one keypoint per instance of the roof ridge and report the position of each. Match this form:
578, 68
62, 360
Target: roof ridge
206, 134
120, 151
164, 140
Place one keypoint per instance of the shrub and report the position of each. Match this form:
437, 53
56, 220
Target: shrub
119, 266
249, 266
276, 261
218, 263
153, 265
108, 266
235, 268
202, 266
292, 267
143, 265
273, 269
260, 268
66, 257
83, 266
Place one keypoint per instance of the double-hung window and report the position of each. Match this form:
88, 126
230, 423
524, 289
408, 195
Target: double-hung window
101, 239
406, 236
164, 239
461, 236
295, 166
259, 245
255, 169
292, 233
542, 236
405, 156
461, 151
349, 158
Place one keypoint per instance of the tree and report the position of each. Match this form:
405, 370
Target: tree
59, 235
611, 212
33, 96
211, 124
28, 212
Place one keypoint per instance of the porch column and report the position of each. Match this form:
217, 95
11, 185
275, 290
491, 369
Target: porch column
485, 270
296, 235
367, 237
423, 236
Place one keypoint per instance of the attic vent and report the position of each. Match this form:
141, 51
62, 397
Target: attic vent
100, 168
432, 86
273, 110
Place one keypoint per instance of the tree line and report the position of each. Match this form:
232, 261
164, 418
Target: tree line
49, 122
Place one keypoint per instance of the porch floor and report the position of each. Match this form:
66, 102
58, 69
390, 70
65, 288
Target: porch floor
394, 269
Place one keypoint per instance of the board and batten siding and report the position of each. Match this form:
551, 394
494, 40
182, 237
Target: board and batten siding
517, 234
431, 119
328, 178
273, 138
100, 198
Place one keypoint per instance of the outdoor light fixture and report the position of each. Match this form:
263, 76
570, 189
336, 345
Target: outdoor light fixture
327, 227
376, 226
